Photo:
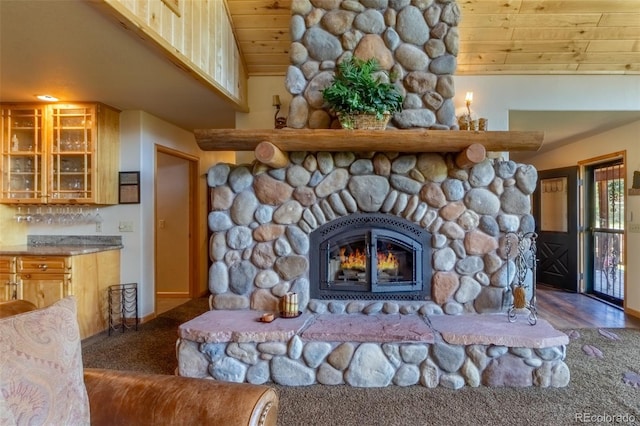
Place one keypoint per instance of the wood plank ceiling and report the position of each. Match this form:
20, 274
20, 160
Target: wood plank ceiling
496, 36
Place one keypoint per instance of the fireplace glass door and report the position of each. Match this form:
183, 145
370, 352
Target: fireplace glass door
395, 263
376, 261
370, 256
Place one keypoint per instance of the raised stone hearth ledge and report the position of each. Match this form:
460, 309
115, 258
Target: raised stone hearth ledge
492, 329
375, 350
392, 140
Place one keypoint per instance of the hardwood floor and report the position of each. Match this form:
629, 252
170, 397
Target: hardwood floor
566, 310
163, 304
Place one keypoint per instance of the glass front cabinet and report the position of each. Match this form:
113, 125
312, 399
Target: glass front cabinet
59, 154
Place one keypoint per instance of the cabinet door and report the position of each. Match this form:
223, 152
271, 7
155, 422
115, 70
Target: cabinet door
23, 146
71, 154
59, 154
42, 289
8, 286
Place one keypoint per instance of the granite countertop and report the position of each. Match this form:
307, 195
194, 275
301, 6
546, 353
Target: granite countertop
62, 245
57, 250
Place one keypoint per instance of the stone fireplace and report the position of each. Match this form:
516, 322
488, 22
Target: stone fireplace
379, 233
266, 221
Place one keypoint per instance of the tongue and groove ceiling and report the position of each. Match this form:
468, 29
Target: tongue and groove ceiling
496, 36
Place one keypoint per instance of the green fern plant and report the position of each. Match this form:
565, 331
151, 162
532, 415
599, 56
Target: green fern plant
356, 89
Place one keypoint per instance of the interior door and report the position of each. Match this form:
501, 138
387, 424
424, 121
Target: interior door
556, 214
172, 226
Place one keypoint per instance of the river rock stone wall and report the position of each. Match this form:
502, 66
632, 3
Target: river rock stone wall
300, 363
416, 42
261, 219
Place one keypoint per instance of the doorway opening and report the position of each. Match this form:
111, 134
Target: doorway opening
605, 248
175, 222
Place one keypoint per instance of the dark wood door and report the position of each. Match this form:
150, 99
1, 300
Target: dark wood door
556, 214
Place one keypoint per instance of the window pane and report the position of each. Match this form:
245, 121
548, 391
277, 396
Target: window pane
553, 205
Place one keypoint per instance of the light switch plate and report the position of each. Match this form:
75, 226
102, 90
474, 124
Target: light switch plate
125, 226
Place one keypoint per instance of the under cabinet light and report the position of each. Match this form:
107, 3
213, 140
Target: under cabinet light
47, 98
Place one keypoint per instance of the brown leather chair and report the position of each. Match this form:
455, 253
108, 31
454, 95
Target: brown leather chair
133, 398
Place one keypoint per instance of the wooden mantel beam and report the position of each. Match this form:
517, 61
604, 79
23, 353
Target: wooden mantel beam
418, 140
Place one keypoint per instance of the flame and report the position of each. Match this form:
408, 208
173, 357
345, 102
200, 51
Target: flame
388, 261
358, 260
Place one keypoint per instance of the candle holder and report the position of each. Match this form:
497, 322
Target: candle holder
467, 121
289, 306
278, 122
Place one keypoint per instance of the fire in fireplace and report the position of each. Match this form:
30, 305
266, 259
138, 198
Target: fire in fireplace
370, 256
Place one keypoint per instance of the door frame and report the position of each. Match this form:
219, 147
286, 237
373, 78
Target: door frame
194, 260
584, 240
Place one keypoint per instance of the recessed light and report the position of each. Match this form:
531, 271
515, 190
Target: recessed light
47, 98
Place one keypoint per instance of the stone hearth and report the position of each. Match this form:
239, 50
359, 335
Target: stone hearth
373, 350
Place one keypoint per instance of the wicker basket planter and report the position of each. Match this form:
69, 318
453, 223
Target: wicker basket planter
364, 121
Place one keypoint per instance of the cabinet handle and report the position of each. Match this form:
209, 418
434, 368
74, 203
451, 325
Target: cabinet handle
43, 266
27, 276
13, 290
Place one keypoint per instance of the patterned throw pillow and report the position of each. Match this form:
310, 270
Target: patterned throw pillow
41, 380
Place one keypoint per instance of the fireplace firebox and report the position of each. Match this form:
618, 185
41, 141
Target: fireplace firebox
370, 256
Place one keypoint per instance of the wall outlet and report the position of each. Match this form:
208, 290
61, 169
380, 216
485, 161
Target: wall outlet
98, 226
125, 226
634, 227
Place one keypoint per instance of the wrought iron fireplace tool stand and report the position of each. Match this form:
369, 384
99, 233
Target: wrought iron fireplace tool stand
524, 260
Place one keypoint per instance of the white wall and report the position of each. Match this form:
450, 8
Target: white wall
495, 96
262, 112
139, 134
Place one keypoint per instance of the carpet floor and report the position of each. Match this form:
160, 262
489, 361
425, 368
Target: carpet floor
597, 392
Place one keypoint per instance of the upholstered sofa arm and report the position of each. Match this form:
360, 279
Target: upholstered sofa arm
15, 307
132, 398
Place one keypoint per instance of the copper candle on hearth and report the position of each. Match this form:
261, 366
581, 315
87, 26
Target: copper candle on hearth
289, 305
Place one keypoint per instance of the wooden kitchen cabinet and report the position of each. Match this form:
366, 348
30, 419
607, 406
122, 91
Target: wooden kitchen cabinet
59, 154
91, 276
8, 285
43, 280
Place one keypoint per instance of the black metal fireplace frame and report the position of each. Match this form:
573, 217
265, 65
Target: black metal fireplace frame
386, 225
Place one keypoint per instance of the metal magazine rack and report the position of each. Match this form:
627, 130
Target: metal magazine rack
123, 307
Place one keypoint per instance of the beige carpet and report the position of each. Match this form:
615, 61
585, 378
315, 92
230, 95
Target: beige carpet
596, 391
